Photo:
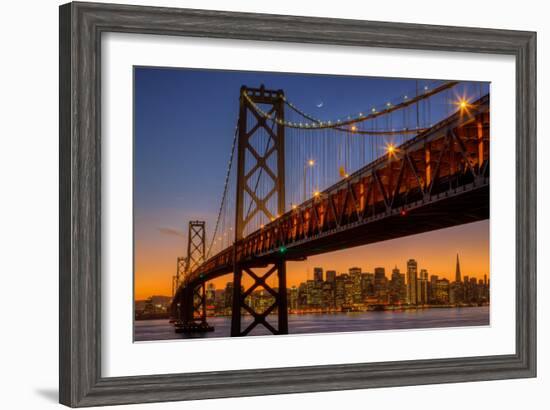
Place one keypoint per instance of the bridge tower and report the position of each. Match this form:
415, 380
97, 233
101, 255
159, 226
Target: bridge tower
191, 300
252, 162
180, 273
196, 255
176, 281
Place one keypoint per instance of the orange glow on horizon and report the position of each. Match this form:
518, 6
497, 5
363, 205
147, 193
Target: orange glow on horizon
155, 263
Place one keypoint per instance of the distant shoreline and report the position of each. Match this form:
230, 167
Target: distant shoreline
388, 308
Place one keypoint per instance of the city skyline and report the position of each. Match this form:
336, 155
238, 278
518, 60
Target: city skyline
474, 257
354, 290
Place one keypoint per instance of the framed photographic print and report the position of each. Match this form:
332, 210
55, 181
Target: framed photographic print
355, 198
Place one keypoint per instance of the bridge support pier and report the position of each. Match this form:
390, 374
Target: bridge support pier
191, 299
192, 311
279, 299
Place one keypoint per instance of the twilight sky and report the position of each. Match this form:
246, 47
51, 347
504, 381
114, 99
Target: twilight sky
184, 122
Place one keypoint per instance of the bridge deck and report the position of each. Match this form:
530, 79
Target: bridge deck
436, 180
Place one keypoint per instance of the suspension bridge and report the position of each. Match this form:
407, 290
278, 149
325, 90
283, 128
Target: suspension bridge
297, 186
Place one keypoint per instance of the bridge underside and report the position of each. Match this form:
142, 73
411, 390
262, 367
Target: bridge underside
448, 211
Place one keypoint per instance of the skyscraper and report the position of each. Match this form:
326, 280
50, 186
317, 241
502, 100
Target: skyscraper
355, 274
302, 296
331, 276
340, 291
312, 297
432, 285
318, 274
293, 298
328, 295
457, 271
380, 284
348, 291
398, 291
422, 289
367, 285
412, 276
441, 291
456, 293
210, 293
466, 289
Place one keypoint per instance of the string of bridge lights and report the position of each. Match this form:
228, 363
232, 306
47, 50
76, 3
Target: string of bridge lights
350, 120
354, 128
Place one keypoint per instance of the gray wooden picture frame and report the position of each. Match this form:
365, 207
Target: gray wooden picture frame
81, 27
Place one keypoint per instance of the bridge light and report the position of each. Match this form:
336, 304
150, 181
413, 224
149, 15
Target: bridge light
316, 194
353, 128
262, 226
390, 148
462, 103
294, 206
311, 162
373, 110
283, 250
403, 212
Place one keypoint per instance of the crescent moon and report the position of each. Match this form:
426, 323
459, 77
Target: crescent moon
320, 105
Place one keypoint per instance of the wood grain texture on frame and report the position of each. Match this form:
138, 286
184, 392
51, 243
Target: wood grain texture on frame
81, 26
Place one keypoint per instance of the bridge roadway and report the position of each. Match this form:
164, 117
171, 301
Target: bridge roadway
436, 180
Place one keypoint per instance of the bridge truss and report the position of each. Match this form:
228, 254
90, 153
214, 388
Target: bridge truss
251, 165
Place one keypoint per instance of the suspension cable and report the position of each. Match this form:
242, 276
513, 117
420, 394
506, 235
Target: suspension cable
226, 185
338, 124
